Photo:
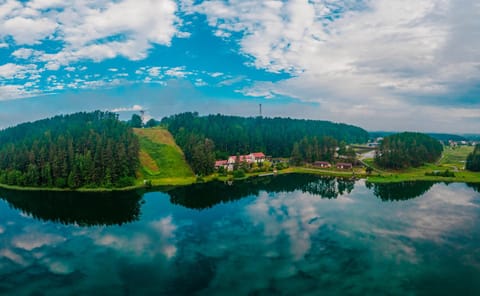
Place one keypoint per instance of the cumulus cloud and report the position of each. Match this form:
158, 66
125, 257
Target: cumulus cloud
27, 30
91, 30
379, 64
127, 109
11, 91
23, 53
377, 55
178, 72
11, 70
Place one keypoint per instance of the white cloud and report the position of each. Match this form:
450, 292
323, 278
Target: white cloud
28, 30
229, 80
216, 74
23, 53
252, 92
95, 30
52, 66
46, 4
10, 70
153, 71
377, 54
126, 109
178, 72
200, 82
9, 92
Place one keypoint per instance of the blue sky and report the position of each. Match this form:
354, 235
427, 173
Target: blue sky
380, 64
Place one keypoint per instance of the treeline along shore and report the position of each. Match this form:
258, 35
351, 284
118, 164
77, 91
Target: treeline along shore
97, 151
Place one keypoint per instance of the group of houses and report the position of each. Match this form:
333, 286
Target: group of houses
259, 157
452, 143
339, 165
229, 164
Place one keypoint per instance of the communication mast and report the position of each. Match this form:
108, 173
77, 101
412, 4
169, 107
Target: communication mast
260, 107
142, 115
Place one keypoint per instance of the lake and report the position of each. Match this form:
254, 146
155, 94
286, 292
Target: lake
283, 235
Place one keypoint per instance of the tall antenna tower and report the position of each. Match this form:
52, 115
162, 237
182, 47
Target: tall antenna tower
142, 115
260, 106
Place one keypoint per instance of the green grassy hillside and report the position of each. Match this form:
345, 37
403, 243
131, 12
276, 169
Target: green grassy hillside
161, 160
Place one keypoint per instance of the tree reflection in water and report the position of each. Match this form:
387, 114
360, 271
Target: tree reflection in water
400, 191
116, 208
207, 195
82, 208
474, 186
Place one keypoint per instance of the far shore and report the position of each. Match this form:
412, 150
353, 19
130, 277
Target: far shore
416, 174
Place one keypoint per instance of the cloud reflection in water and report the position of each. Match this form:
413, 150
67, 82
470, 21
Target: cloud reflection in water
267, 240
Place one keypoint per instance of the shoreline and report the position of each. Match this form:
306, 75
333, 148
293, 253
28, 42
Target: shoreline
388, 177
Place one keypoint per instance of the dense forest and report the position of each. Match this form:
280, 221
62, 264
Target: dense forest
273, 136
438, 136
312, 149
78, 150
408, 150
473, 160
199, 153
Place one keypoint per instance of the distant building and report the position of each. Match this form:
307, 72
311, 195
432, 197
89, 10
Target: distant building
344, 166
221, 163
322, 164
256, 157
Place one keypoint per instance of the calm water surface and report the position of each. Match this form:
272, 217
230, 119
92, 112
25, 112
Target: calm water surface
287, 235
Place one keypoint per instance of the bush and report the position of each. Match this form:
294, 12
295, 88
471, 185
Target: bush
281, 166
446, 173
147, 183
222, 171
238, 174
125, 182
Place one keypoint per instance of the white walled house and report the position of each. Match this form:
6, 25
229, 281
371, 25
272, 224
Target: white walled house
256, 157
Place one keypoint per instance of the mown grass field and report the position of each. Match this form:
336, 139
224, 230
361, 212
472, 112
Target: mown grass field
161, 160
453, 159
456, 156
